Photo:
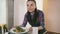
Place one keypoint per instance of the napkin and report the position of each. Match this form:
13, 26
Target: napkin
28, 26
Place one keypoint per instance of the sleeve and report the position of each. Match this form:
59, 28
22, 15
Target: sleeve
24, 21
41, 19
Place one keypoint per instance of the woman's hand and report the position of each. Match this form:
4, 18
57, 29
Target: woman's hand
40, 28
30, 29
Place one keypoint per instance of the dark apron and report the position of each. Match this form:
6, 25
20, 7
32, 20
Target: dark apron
36, 24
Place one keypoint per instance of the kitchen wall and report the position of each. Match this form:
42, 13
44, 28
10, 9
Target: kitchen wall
19, 11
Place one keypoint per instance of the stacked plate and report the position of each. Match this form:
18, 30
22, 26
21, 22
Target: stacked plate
25, 32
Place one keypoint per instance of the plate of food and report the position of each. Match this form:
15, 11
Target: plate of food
20, 30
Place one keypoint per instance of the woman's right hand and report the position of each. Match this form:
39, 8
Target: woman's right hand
30, 29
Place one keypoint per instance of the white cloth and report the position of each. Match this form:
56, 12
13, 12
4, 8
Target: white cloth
35, 30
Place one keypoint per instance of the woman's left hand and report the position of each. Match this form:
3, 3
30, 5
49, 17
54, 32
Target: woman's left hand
30, 29
40, 28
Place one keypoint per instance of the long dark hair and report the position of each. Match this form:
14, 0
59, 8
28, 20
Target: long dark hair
32, 0
35, 12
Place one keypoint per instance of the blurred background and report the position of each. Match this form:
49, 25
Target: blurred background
12, 13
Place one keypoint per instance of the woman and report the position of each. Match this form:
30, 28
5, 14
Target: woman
34, 17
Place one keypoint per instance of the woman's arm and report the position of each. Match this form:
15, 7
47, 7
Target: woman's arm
24, 21
41, 19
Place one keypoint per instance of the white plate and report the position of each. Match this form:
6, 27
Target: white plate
26, 30
6, 32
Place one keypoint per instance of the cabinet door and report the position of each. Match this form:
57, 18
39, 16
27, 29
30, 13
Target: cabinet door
52, 15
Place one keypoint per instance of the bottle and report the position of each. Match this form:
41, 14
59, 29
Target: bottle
5, 28
0, 30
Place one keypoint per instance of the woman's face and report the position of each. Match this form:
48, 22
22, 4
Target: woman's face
31, 6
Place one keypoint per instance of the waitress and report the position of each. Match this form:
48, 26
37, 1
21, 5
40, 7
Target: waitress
34, 16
